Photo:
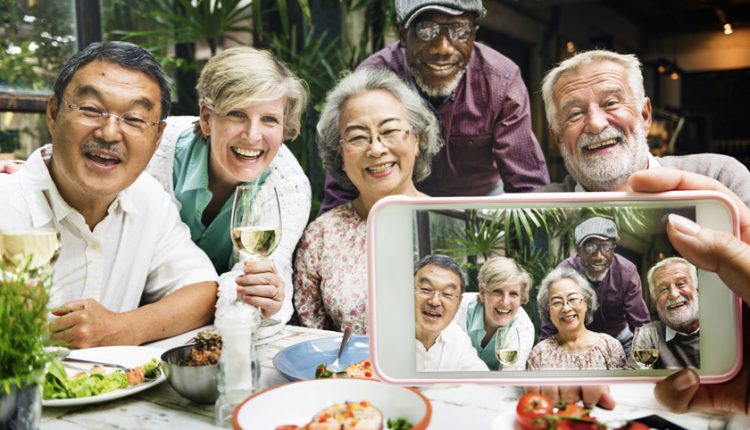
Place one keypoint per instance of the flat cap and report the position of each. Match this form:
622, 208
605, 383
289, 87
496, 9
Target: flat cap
407, 10
596, 227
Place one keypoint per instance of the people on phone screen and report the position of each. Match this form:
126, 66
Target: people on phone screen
440, 342
494, 318
567, 302
613, 277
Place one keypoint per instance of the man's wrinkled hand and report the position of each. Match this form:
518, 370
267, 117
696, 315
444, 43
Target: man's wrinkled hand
85, 324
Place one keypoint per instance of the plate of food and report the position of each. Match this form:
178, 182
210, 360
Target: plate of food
300, 361
73, 384
334, 403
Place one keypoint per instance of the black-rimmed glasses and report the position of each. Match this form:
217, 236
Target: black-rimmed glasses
458, 32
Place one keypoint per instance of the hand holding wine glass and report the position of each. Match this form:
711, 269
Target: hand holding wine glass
255, 233
645, 347
507, 346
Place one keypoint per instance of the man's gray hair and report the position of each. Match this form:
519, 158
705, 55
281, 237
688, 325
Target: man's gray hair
423, 123
629, 61
542, 297
663, 265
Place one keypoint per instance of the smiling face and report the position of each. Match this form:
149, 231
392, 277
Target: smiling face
244, 140
439, 64
602, 134
379, 168
95, 162
567, 306
676, 298
437, 297
595, 258
500, 305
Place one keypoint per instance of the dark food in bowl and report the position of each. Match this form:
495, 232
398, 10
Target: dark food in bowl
196, 383
207, 349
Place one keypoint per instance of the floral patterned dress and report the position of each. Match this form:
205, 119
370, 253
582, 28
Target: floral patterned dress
548, 354
330, 272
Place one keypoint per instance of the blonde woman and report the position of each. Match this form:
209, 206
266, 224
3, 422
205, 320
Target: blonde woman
250, 103
503, 288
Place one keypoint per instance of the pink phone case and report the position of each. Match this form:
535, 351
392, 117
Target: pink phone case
581, 198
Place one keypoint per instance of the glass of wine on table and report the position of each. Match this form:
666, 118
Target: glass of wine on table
645, 347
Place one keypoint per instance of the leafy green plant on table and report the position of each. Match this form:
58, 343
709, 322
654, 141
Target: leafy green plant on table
23, 327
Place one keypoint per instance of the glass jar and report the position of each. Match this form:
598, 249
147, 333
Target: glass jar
239, 369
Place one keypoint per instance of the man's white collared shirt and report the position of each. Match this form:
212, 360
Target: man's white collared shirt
452, 350
140, 252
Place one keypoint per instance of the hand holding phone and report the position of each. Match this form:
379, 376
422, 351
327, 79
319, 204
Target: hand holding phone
715, 251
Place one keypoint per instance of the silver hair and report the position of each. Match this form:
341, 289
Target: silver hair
542, 297
423, 122
668, 262
629, 61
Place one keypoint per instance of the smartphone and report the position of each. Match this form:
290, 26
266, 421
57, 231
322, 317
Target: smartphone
430, 294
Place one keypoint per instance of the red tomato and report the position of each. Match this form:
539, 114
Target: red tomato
531, 409
571, 410
576, 424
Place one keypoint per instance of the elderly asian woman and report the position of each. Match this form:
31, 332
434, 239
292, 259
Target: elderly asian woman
567, 302
250, 103
503, 287
375, 135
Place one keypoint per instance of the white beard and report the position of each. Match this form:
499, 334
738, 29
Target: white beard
684, 317
436, 92
607, 172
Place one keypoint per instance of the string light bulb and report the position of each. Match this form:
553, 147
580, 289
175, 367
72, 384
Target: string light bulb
728, 29
674, 75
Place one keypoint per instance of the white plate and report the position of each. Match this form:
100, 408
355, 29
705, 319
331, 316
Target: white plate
128, 356
297, 402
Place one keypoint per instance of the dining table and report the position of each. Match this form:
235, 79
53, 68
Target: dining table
454, 406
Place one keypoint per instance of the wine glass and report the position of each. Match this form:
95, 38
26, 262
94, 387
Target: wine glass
507, 345
256, 222
31, 250
645, 347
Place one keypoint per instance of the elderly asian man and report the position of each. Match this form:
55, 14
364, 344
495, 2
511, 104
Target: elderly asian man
128, 272
441, 343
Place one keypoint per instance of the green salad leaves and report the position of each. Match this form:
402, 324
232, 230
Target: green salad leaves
58, 385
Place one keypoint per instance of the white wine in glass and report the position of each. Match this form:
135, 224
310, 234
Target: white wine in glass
645, 347
256, 222
39, 248
507, 351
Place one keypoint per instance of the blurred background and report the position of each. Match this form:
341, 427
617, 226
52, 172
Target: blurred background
696, 56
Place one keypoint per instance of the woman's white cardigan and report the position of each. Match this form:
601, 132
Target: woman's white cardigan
293, 188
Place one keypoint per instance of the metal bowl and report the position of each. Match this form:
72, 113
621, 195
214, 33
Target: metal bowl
195, 383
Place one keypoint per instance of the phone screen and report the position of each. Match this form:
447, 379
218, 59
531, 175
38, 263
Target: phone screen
555, 288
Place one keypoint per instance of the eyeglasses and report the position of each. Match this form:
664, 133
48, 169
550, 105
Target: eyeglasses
573, 301
130, 123
388, 138
591, 248
457, 32
429, 293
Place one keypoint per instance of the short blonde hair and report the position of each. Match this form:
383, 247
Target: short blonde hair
243, 76
629, 61
501, 271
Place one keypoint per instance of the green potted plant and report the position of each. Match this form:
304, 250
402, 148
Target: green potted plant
24, 299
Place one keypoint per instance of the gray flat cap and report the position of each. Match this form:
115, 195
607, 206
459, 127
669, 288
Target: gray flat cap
407, 10
597, 227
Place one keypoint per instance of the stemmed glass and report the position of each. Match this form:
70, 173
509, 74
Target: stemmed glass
33, 250
256, 222
507, 345
645, 347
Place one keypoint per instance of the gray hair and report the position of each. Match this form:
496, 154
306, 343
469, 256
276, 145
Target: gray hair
542, 298
500, 271
423, 122
663, 265
629, 61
